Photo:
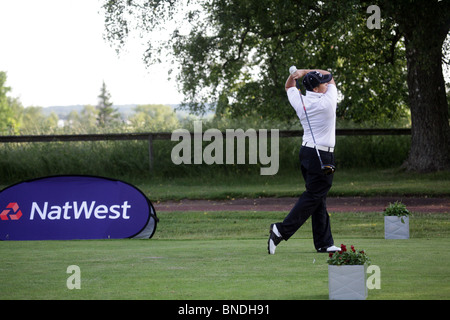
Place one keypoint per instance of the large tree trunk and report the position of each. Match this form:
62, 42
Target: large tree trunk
430, 131
424, 27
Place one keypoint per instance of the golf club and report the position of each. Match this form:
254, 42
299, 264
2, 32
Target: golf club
327, 169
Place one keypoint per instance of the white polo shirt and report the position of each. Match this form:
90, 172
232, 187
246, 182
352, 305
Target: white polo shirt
321, 109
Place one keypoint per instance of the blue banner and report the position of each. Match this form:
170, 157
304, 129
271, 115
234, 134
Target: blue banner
75, 207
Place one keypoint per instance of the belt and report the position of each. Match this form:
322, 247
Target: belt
321, 148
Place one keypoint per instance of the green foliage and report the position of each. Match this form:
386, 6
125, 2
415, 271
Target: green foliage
131, 158
7, 120
155, 118
33, 120
371, 151
84, 121
396, 209
234, 55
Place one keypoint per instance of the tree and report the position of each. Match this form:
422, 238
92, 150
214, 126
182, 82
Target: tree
7, 120
236, 54
425, 26
106, 113
84, 121
154, 118
35, 122
17, 110
88, 116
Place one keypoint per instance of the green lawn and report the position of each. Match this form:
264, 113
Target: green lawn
349, 182
356, 182
223, 256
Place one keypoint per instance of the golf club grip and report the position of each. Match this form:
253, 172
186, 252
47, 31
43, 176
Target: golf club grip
292, 69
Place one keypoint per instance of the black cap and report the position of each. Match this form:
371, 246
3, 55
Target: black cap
314, 79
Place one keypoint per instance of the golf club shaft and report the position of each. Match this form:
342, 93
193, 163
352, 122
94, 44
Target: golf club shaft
310, 129
326, 169
292, 69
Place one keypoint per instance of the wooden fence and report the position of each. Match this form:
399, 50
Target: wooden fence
151, 136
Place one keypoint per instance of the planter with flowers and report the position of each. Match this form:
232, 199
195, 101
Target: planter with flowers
396, 221
347, 274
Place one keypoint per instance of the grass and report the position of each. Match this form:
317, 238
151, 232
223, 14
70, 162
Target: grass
222, 256
349, 182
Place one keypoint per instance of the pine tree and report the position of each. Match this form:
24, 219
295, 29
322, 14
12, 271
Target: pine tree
106, 113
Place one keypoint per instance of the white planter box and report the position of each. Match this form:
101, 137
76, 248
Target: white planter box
347, 282
394, 228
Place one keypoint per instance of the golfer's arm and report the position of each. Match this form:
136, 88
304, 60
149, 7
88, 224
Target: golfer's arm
327, 72
324, 72
290, 82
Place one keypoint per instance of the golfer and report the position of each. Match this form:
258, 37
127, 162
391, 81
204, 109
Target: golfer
320, 102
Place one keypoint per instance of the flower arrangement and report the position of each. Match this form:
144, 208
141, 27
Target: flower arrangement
348, 257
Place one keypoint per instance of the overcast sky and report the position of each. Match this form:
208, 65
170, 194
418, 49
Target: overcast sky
54, 55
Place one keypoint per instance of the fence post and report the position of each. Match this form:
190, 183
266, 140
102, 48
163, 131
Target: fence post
150, 151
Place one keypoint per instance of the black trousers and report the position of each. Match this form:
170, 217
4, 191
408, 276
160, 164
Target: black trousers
313, 201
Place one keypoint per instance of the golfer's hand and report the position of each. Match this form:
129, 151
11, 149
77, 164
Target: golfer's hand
295, 75
300, 73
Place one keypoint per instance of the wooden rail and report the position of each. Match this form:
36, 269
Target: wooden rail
151, 136
167, 135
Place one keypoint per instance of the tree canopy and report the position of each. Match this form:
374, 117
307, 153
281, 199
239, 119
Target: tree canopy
234, 56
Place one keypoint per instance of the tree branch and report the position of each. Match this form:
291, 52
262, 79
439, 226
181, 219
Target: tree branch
240, 48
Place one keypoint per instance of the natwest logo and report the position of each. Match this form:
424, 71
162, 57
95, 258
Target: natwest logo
75, 207
75, 210
12, 211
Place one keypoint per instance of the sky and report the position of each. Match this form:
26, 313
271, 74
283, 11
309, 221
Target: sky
54, 54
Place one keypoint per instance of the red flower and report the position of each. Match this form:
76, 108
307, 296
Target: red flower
344, 257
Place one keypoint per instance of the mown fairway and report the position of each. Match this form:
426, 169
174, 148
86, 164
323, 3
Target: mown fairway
223, 256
